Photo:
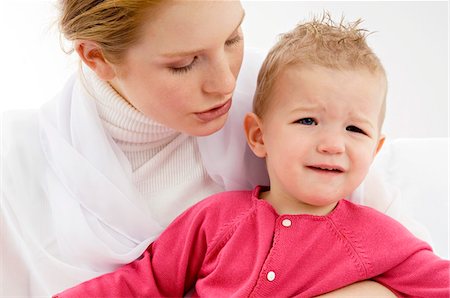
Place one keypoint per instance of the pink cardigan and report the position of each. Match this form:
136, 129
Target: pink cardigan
235, 245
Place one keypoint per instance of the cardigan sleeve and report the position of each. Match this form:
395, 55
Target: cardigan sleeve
171, 265
393, 256
422, 274
168, 267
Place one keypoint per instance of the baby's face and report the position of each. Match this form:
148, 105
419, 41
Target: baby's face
321, 133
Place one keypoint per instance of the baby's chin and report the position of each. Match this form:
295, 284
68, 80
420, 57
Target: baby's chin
321, 207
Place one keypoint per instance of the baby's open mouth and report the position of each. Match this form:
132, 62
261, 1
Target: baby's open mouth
326, 169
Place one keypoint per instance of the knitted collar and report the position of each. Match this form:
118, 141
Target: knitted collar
127, 126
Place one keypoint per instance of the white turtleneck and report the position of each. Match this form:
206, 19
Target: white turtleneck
166, 164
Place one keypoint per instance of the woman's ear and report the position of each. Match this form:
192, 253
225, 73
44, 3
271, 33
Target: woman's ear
92, 55
254, 134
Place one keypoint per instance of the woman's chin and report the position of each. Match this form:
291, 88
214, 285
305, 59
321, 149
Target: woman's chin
202, 129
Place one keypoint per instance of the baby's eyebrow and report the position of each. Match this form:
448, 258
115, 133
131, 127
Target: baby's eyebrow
307, 108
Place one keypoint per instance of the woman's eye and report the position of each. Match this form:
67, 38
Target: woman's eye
353, 128
307, 121
233, 40
185, 68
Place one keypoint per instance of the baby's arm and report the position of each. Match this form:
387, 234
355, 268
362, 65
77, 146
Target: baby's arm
136, 279
397, 259
422, 274
167, 268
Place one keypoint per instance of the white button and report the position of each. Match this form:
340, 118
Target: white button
271, 276
286, 222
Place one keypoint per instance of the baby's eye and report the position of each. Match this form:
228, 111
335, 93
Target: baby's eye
353, 128
306, 121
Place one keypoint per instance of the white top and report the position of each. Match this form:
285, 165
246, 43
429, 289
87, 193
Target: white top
84, 189
165, 164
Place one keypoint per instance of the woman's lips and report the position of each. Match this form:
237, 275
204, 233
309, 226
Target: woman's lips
215, 113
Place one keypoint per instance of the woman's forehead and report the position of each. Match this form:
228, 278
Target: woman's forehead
179, 27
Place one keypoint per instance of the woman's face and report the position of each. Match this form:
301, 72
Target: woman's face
183, 71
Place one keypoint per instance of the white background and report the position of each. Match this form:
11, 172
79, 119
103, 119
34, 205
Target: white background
411, 39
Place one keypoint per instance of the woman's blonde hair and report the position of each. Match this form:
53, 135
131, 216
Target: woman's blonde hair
115, 25
319, 42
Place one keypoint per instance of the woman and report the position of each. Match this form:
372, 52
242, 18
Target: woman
133, 139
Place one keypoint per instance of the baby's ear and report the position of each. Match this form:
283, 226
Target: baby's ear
380, 143
254, 134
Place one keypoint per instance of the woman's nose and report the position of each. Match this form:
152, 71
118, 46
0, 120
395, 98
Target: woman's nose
331, 143
220, 79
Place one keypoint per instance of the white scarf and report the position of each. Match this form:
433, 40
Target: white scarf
100, 221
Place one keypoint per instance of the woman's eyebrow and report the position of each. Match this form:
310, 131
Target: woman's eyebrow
195, 52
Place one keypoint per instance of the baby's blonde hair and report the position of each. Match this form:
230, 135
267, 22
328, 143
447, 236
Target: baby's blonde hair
115, 25
319, 42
